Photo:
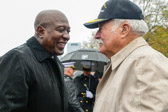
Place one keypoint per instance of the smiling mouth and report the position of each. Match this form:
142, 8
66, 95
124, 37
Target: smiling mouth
61, 44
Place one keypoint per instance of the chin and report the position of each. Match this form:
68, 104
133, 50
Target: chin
60, 52
102, 50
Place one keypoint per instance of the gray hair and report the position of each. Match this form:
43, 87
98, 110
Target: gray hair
137, 26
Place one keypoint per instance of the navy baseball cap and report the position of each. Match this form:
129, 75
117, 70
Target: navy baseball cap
116, 9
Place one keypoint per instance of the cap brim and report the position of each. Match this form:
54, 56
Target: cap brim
94, 23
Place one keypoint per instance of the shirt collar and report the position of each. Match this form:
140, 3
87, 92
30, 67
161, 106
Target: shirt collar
65, 75
38, 50
126, 51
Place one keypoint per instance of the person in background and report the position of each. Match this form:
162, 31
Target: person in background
74, 105
137, 78
98, 75
31, 76
86, 85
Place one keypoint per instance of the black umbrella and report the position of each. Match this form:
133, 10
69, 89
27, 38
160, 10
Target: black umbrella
97, 59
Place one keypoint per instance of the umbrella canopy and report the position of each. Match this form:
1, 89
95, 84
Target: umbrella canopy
97, 59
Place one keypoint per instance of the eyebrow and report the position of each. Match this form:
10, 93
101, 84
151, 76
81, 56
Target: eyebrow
63, 26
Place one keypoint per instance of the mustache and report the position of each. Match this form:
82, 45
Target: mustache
99, 41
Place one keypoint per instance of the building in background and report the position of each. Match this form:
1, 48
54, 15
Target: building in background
73, 46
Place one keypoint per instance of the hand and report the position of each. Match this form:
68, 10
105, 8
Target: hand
89, 94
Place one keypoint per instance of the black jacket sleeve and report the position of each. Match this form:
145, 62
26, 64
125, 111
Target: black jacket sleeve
74, 104
13, 84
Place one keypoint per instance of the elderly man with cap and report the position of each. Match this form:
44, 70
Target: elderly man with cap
74, 105
137, 78
86, 85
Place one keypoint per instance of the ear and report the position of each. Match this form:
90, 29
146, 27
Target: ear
125, 29
40, 31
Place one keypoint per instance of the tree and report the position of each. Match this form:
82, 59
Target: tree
158, 39
91, 43
156, 16
155, 12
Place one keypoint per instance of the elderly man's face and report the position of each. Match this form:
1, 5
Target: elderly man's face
110, 40
56, 35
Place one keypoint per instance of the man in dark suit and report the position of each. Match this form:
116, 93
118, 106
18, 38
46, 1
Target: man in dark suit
86, 85
74, 105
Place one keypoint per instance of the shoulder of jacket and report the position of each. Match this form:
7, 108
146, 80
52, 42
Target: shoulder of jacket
77, 77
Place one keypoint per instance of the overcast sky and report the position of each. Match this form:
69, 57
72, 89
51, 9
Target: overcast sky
17, 19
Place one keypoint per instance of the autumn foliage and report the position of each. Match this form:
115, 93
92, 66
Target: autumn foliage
158, 39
